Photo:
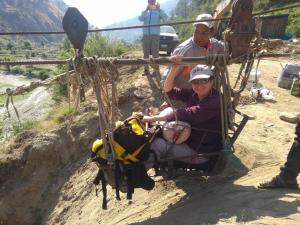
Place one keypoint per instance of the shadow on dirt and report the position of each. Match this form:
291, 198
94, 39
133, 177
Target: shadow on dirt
219, 199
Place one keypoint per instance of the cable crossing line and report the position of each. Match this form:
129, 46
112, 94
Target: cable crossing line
140, 26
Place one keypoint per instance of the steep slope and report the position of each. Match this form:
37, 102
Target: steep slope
32, 15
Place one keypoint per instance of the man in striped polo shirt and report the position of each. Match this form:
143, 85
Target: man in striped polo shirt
200, 44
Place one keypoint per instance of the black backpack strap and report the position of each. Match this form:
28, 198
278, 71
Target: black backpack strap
100, 177
104, 191
117, 179
130, 187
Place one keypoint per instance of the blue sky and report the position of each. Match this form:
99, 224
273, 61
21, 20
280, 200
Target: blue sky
105, 12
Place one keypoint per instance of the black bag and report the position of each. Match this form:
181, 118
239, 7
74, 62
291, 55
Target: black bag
131, 142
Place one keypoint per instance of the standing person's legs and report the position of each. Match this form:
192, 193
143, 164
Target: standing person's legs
291, 168
146, 51
155, 49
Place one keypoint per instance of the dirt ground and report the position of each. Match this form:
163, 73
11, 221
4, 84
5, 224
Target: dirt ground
48, 178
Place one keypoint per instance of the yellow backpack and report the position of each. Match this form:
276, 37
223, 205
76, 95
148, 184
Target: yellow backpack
131, 142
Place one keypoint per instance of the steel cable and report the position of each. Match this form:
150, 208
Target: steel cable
141, 26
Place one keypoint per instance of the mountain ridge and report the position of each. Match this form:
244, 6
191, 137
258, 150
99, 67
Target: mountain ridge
32, 15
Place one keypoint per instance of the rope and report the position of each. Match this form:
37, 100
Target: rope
227, 111
239, 74
104, 74
10, 96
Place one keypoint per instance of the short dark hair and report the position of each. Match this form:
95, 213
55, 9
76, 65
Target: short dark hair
151, 1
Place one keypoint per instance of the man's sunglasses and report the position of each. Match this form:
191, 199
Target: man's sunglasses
200, 81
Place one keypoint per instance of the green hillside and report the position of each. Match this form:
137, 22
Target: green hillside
32, 15
189, 9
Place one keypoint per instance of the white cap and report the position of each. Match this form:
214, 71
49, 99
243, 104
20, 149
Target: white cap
209, 24
200, 71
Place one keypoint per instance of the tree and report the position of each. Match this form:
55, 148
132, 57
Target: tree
182, 8
27, 45
9, 46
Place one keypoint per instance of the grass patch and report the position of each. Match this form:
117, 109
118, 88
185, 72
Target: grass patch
59, 92
25, 126
16, 98
61, 114
4, 147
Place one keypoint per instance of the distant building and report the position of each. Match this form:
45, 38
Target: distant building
272, 27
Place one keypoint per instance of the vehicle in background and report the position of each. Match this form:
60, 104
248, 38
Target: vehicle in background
168, 40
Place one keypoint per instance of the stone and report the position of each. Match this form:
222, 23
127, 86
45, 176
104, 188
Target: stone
142, 92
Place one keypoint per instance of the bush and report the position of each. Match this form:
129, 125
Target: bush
27, 45
184, 31
95, 45
60, 92
43, 75
17, 70
98, 45
21, 127
9, 46
294, 23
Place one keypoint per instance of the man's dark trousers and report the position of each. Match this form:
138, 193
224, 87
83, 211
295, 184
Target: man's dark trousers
291, 168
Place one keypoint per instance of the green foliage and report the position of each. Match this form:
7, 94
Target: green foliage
27, 55
43, 74
7, 58
184, 31
17, 70
67, 45
38, 73
294, 14
9, 46
59, 92
27, 45
97, 44
21, 127
66, 52
263, 5
189, 9
294, 23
